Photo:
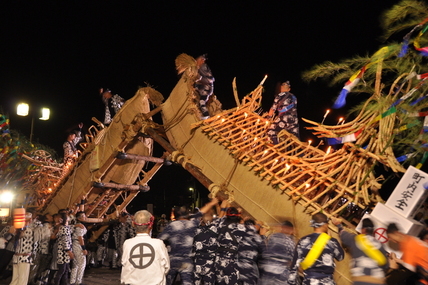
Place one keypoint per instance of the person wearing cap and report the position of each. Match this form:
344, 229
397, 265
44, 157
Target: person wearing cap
204, 84
369, 258
284, 107
414, 258
113, 103
179, 236
145, 259
70, 146
277, 255
315, 255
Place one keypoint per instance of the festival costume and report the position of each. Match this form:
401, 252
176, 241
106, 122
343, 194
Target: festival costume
204, 85
23, 257
44, 256
124, 232
144, 261
204, 248
285, 108
180, 235
250, 248
79, 261
364, 267
322, 269
238, 247
53, 267
112, 106
111, 238
63, 261
70, 150
276, 259
101, 249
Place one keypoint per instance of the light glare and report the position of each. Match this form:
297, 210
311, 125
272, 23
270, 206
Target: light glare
22, 109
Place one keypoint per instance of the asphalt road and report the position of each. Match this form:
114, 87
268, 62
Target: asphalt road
93, 276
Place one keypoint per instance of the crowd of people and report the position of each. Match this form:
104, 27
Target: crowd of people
212, 245
216, 245
56, 249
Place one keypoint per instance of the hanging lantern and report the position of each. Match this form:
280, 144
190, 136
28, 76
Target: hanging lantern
19, 218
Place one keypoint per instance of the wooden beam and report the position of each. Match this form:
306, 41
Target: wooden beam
189, 167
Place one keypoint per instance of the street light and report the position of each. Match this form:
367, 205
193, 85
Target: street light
192, 195
23, 109
6, 197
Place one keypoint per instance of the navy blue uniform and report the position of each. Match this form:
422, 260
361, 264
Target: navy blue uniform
321, 272
276, 259
179, 235
249, 249
205, 248
285, 106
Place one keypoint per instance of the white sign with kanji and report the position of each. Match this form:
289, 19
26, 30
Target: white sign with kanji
410, 193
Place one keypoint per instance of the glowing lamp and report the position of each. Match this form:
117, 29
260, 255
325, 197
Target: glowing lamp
6, 197
22, 109
19, 218
45, 114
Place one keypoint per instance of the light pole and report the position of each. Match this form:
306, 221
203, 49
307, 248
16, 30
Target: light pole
23, 109
192, 191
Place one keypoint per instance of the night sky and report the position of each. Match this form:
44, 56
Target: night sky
59, 53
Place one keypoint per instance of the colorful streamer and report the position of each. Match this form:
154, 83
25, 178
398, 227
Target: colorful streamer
356, 77
421, 163
416, 44
348, 138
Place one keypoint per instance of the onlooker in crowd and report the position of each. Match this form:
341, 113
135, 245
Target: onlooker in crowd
111, 235
24, 249
65, 253
140, 270
125, 230
53, 267
369, 258
43, 256
91, 247
101, 249
315, 255
79, 249
161, 224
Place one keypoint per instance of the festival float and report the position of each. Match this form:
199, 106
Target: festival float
231, 155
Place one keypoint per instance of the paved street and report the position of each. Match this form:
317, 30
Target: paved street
93, 276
